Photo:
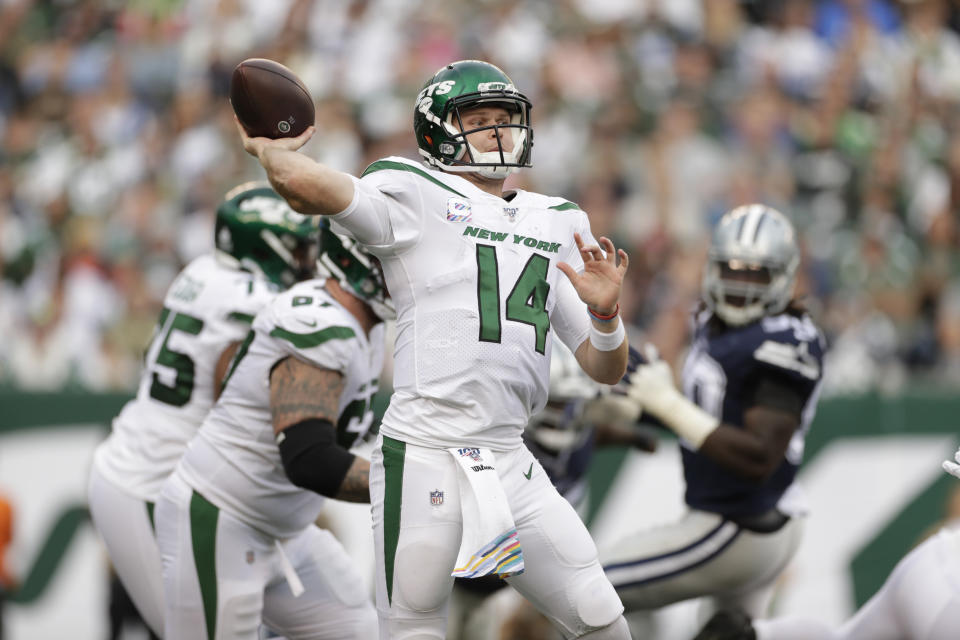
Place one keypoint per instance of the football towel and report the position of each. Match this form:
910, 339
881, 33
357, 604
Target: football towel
489, 543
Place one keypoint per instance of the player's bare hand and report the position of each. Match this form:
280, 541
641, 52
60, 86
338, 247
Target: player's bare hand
602, 279
256, 146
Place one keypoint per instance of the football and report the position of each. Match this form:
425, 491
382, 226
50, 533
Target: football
270, 100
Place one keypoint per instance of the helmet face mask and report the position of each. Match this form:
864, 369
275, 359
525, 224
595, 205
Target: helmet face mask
357, 272
445, 135
752, 265
257, 231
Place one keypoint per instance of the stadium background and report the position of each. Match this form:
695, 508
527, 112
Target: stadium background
117, 142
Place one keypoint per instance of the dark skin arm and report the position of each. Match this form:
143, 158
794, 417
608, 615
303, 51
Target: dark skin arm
757, 450
300, 391
223, 364
611, 434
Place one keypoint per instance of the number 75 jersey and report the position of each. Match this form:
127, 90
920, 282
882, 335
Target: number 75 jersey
207, 307
475, 282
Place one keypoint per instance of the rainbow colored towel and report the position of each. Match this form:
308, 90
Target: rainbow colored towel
503, 556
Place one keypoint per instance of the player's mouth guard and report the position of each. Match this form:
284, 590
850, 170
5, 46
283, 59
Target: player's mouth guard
296, 587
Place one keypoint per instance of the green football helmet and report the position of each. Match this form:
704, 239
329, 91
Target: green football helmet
257, 231
440, 130
358, 272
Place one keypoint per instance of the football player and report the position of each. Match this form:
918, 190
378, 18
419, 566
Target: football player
481, 277
579, 417
261, 247
749, 391
235, 519
920, 600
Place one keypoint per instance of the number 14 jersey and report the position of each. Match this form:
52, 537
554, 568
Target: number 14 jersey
475, 282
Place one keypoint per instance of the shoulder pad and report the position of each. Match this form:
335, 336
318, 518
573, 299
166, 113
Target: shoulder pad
389, 168
307, 323
565, 205
789, 357
789, 343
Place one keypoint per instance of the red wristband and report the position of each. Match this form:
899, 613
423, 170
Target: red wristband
603, 318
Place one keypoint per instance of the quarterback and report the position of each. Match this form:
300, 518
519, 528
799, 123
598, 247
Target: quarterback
235, 519
480, 277
750, 385
262, 247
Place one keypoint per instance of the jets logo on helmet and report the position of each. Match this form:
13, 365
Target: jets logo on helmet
358, 272
442, 134
752, 265
257, 231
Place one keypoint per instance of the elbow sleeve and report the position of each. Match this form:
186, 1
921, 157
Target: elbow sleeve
311, 457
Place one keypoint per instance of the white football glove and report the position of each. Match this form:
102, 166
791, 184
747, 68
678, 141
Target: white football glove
612, 408
652, 387
953, 468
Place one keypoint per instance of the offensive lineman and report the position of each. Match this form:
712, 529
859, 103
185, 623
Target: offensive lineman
262, 246
235, 519
750, 388
476, 276
920, 600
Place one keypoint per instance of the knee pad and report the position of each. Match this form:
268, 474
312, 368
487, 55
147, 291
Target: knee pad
617, 630
413, 629
597, 603
240, 615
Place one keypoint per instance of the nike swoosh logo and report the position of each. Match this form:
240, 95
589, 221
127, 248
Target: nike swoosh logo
309, 324
529, 472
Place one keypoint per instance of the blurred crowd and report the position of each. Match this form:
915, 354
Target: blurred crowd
117, 142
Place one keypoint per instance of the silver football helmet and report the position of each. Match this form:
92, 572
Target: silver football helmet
752, 264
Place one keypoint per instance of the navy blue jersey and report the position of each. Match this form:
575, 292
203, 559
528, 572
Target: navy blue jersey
721, 375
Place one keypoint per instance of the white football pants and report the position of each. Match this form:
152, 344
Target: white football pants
222, 577
126, 526
417, 539
919, 601
701, 555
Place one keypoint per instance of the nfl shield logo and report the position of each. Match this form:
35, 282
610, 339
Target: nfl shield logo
250, 557
436, 498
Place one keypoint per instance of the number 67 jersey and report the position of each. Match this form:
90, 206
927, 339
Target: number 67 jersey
475, 282
207, 307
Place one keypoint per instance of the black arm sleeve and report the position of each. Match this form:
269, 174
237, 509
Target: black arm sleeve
311, 457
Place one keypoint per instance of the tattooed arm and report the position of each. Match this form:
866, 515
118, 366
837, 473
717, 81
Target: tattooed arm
303, 403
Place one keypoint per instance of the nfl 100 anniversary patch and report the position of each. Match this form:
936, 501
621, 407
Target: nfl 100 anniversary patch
458, 210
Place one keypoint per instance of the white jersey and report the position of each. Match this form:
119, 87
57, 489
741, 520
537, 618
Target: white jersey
475, 282
208, 307
234, 461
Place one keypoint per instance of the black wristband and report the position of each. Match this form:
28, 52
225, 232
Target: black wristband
311, 457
